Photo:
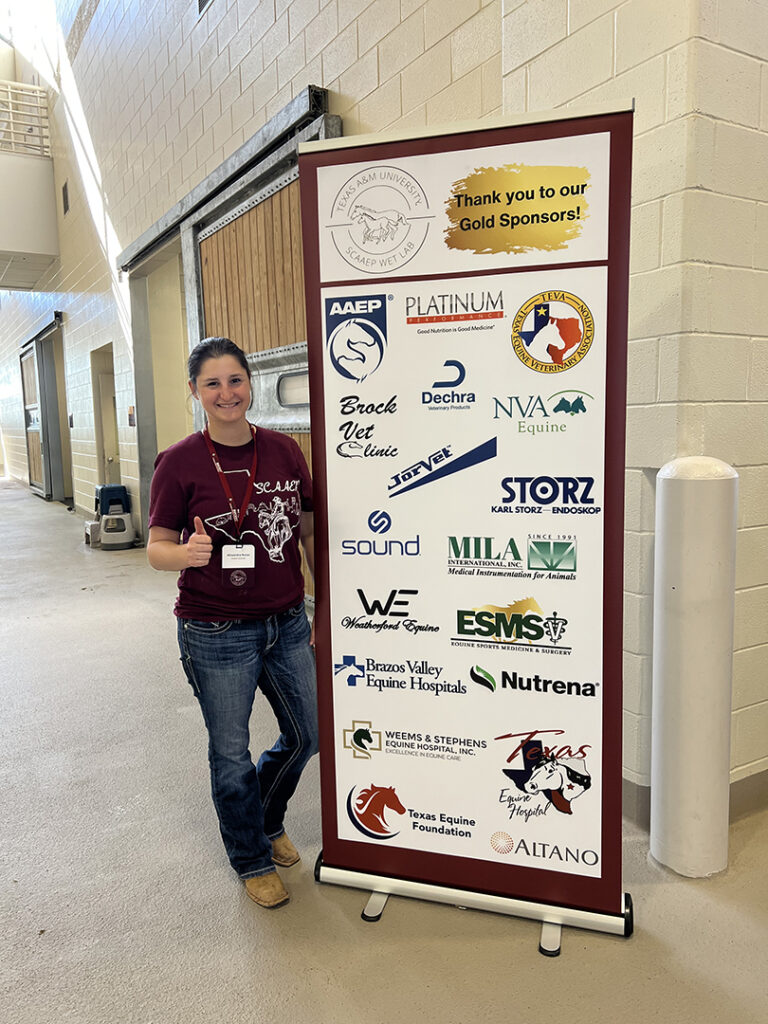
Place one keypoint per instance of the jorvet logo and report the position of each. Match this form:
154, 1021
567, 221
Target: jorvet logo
439, 464
379, 219
552, 556
369, 808
380, 522
535, 414
552, 332
546, 776
485, 556
356, 332
521, 623
563, 495
443, 396
362, 739
515, 683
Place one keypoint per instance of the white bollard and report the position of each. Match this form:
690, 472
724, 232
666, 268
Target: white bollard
693, 603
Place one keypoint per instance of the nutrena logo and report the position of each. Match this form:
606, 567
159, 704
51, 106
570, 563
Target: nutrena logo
356, 332
368, 809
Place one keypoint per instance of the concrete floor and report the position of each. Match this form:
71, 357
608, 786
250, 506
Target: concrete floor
118, 905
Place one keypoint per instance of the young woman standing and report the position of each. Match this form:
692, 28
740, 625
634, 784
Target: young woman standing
228, 508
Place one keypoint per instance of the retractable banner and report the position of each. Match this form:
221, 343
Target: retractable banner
467, 312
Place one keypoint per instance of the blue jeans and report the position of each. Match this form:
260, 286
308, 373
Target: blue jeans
225, 662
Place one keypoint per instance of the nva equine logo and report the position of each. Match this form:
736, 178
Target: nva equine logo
368, 808
356, 329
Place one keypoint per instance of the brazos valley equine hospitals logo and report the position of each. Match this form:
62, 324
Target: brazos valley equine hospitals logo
379, 219
356, 333
368, 810
552, 331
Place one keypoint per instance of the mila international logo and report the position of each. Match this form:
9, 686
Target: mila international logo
552, 332
547, 555
356, 329
368, 810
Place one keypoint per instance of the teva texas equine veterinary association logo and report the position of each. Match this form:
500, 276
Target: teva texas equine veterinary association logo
552, 331
356, 333
368, 810
379, 219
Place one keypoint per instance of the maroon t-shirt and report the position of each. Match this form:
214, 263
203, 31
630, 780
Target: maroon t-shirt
186, 485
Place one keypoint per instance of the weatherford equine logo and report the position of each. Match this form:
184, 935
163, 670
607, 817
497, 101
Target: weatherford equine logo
354, 432
439, 464
415, 675
275, 522
521, 623
361, 739
547, 336
368, 808
552, 556
440, 398
531, 684
537, 415
550, 776
380, 522
394, 606
379, 219
356, 329
561, 495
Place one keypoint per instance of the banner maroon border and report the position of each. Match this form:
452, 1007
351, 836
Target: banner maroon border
603, 894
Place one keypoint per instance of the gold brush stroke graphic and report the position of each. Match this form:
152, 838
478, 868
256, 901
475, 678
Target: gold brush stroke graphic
522, 607
517, 208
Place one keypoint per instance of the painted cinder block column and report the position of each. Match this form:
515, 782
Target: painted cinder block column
696, 506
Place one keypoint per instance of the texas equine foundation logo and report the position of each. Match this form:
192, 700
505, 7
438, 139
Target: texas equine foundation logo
368, 810
379, 219
521, 623
356, 333
552, 332
537, 415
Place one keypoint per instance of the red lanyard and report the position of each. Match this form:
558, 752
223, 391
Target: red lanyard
225, 483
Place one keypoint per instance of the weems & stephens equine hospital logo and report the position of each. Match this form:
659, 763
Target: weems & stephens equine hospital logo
379, 219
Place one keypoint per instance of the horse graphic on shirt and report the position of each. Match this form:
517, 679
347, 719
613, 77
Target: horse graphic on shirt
274, 521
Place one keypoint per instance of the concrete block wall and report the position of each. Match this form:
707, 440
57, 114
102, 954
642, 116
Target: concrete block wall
150, 98
698, 70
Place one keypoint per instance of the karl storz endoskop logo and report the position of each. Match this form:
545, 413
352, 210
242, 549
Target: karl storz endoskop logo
379, 219
552, 331
356, 329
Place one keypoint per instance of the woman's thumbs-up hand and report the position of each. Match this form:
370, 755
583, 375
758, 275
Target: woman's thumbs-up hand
199, 546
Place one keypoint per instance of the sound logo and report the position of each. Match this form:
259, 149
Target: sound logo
368, 810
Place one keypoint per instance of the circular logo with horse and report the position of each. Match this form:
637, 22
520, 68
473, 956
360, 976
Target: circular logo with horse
356, 348
238, 578
379, 219
368, 810
552, 331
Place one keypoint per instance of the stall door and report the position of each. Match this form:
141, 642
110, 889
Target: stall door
32, 420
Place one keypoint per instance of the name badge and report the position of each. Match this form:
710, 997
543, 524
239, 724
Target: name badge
238, 556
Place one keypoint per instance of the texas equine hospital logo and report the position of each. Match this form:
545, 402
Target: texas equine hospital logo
367, 811
552, 331
379, 219
356, 332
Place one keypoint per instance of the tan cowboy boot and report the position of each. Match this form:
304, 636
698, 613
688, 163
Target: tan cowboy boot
267, 890
284, 852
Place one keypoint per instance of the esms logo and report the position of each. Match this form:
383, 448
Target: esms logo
356, 329
552, 331
537, 415
369, 809
522, 623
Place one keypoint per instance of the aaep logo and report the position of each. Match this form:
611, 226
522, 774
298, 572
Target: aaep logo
356, 329
368, 810
379, 219
552, 331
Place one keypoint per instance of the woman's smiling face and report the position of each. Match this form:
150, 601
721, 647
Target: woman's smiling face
224, 390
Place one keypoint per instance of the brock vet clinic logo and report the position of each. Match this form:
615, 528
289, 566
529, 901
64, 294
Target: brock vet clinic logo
368, 810
379, 219
552, 331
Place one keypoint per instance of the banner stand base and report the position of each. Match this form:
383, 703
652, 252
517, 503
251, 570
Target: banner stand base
552, 918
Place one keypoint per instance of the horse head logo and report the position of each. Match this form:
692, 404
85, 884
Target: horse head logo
356, 348
559, 781
366, 811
